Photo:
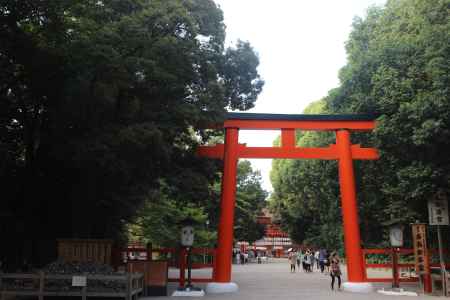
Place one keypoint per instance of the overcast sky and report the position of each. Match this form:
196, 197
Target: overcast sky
301, 47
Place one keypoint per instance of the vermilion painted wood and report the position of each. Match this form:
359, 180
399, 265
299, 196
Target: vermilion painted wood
227, 203
388, 266
410, 279
192, 279
288, 138
352, 240
387, 251
327, 153
183, 264
343, 151
303, 125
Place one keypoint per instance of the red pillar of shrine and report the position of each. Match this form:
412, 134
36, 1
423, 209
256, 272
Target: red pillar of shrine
227, 202
352, 239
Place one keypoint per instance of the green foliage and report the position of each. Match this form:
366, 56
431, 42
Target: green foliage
250, 199
305, 197
101, 101
161, 209
398, 67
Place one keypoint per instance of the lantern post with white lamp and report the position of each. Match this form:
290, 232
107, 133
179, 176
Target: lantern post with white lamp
187, 240
396, 239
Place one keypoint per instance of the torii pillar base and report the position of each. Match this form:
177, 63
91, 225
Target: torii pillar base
221, 287
358, 287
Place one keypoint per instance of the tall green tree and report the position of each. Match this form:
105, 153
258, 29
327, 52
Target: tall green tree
250, 199
398, 68
101, 101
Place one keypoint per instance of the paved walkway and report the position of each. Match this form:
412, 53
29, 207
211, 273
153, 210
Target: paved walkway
273, 281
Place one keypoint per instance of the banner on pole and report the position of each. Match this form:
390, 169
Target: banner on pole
420, 248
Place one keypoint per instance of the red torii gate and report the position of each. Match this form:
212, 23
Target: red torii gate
343, 151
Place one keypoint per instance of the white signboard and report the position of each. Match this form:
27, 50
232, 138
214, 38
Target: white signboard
396, 236
78, 280
438, 211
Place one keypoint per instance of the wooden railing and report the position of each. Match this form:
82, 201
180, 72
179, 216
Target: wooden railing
38, 285
85, 250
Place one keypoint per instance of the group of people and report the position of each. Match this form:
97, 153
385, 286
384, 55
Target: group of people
320, 259
241, 257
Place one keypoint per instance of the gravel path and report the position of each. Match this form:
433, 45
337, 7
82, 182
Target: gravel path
273, 281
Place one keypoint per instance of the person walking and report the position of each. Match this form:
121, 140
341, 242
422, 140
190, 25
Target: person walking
322, 259
327, 263
307, 260
299, 258
313, 260
316, 259
292, 260
335, 271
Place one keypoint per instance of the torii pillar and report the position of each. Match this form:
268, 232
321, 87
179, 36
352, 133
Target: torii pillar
227, 203
222, 273
352, 237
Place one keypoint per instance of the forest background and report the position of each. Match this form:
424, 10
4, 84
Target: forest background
398, 69
102, 105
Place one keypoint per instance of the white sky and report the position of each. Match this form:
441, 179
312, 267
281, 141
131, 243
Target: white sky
300, 44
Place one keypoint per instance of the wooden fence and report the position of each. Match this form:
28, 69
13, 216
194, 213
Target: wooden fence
39, 285
85, 250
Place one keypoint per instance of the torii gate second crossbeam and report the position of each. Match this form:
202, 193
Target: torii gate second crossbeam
343, 151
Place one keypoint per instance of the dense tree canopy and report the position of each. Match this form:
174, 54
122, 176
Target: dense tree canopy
398, 68
101, 106
250, 199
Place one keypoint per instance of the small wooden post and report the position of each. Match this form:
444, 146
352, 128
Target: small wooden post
149, 251
83, 292
395, 273
442, 263
182, 266
1, 282
41, 286
364, 264
129, 286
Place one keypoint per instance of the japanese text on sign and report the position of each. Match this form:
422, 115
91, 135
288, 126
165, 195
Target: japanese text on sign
420, 248
78, 280
438, 211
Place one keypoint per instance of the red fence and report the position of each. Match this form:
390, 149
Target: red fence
396, 278
177, 258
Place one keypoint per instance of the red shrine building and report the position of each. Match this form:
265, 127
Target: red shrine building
275, 241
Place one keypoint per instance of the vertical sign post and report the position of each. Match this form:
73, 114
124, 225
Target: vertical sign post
421, 255
438, 215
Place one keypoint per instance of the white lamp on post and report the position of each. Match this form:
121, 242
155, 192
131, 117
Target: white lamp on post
187, 240
396, 239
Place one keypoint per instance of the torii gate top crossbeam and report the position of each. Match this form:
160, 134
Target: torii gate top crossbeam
253, 121
288, 124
